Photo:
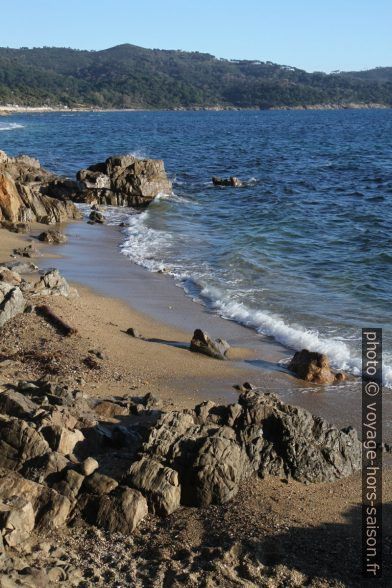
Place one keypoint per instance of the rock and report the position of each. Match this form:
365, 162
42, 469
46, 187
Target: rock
124, 181
10, 201
19, 442
110, 409
9, 276
285, 440
17, 520
232, 181
62, 439
245, 387
216, 471
97, 217
52, 236
202, 343
51, 509
99, 484
28, 251
313, 367
23, 267
133, 333
12, 302
89, 466
159, 484
45, 468
14, 227
53, 284
214, 447
28, 193
70, 485
16, 404
122, 512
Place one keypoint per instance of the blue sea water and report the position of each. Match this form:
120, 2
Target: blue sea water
303, 253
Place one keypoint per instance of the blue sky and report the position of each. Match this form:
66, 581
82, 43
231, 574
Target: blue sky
310, 34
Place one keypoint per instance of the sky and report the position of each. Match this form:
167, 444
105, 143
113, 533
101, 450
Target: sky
315, 35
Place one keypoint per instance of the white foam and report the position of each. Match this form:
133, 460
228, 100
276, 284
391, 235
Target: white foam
10, 126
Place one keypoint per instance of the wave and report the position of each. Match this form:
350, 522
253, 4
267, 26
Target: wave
150, 247
10, 126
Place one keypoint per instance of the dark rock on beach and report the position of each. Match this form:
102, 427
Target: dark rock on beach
202, 343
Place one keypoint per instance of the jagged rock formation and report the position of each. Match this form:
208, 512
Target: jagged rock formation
29, 193
124, 181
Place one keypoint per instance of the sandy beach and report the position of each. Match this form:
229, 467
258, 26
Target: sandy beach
294, 525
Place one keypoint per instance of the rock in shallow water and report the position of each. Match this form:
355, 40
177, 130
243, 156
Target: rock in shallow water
124, 180
313, 367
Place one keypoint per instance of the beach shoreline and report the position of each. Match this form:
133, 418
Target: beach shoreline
162, 367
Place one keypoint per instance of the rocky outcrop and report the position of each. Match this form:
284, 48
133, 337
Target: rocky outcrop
232, 181
29, 193
124, 181
314, 367
64, 458
214, 447
202, 343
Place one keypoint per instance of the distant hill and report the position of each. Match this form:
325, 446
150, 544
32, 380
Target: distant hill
128, 76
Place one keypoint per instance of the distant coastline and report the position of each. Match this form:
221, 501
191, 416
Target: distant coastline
6, 110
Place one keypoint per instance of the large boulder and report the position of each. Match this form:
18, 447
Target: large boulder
52, 283
19, 442
29, 193
51, 509
17, 520
62, 439
159, 484
202, 343
12, 302
15, 404
285, 440
313, 367
122, 511
124, 181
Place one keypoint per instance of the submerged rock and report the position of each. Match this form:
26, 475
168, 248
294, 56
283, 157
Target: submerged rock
232, 181
313, 367
97, 217
202, 343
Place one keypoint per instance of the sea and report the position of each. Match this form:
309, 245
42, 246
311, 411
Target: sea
302, 253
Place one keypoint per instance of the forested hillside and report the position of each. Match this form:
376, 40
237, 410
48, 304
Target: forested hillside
127, 76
